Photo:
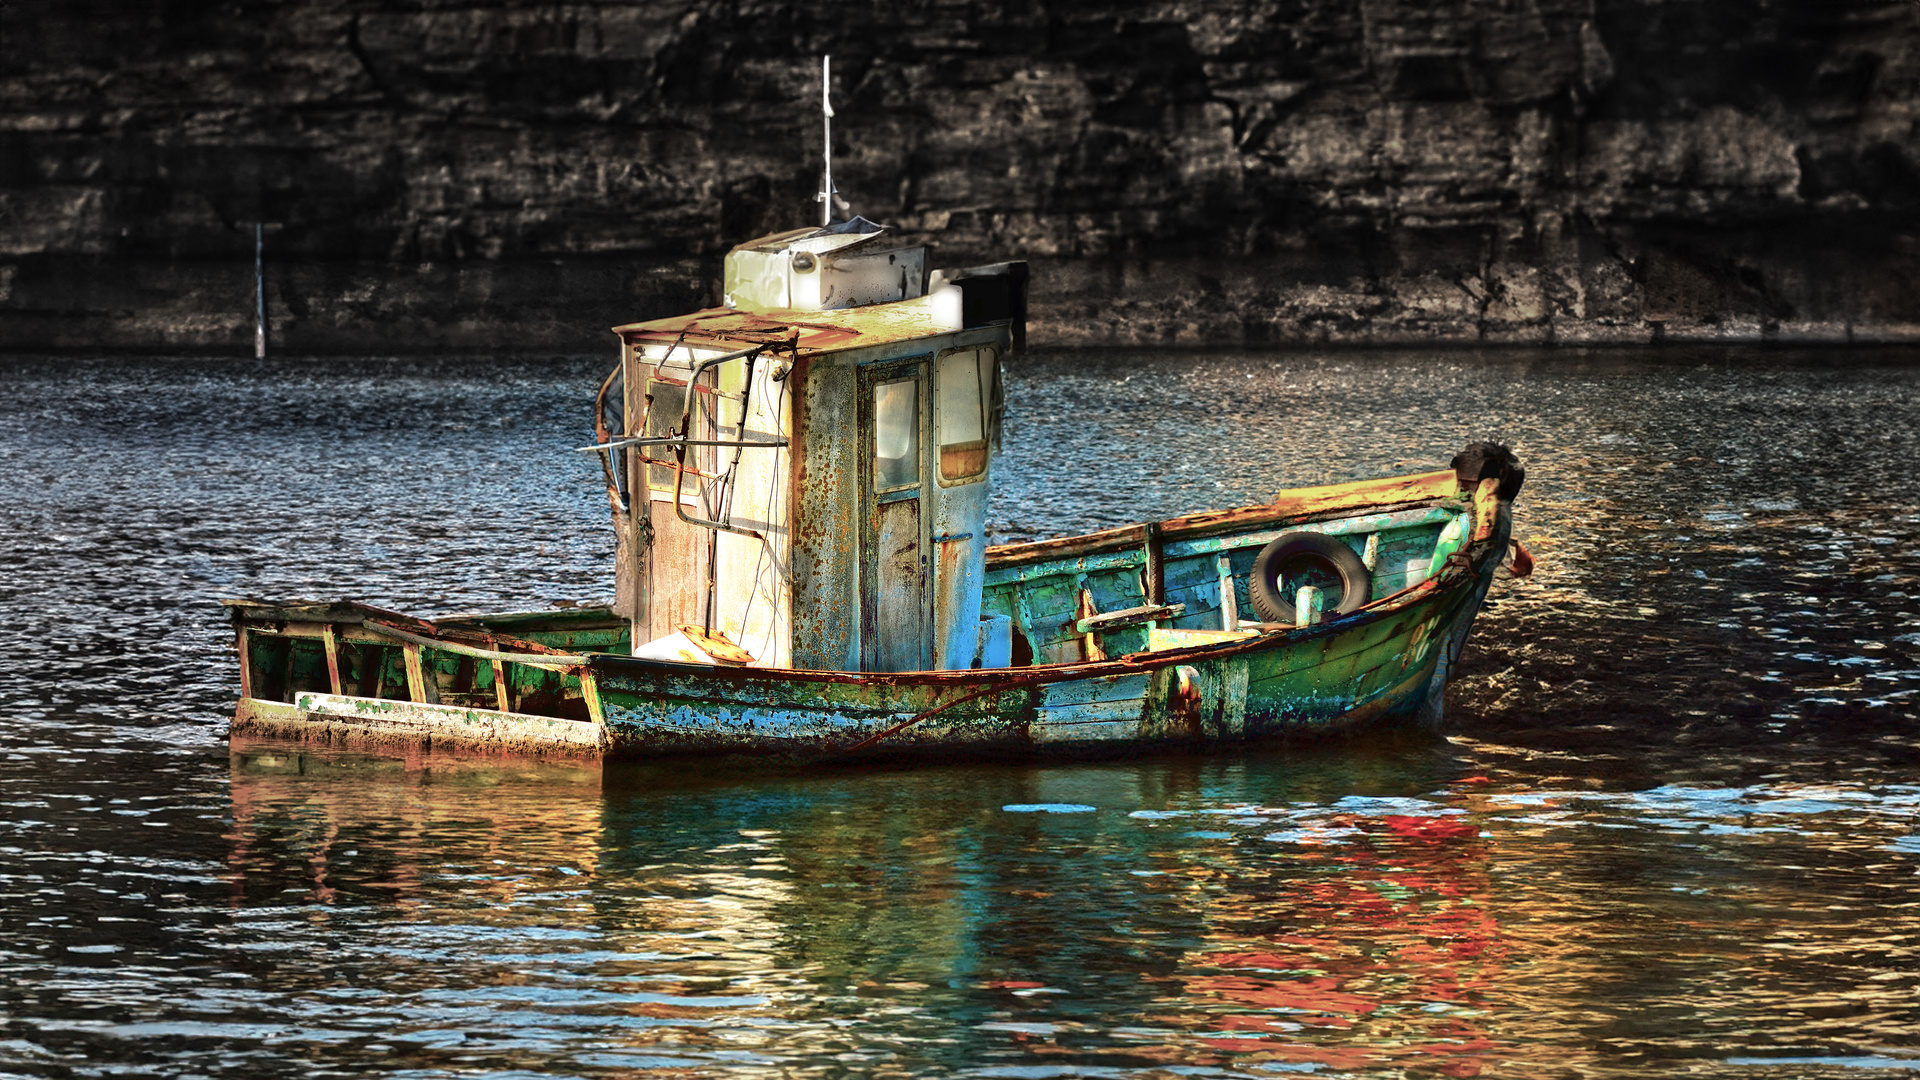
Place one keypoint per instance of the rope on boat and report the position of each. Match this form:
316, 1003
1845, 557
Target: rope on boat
555, 661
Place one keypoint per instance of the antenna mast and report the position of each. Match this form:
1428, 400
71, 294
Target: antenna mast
829, 198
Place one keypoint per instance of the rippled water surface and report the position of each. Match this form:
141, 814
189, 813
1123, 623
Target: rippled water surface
1675, 829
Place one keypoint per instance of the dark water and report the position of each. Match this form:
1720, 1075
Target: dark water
1675, 829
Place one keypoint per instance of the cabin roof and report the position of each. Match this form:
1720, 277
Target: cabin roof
812, 332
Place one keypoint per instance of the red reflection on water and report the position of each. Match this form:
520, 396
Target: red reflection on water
1425, 828
1350, 958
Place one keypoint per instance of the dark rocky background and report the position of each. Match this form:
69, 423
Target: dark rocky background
494, 174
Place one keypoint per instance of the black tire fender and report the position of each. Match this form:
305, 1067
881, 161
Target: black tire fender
1323, 556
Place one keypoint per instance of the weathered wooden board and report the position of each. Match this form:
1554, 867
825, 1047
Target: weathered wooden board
330, 718
1102, 709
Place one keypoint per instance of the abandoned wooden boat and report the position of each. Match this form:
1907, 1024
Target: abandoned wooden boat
799, 485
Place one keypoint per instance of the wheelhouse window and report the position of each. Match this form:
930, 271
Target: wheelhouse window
665, 402
896, 434
963, 390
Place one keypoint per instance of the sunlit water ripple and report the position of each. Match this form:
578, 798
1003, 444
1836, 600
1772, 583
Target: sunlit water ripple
1676, 830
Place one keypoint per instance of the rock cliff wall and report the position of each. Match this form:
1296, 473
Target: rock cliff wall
499, 174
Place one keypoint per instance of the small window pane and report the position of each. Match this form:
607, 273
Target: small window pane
896, 434
962, 435
663, 416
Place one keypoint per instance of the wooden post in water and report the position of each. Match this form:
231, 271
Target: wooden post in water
259, 293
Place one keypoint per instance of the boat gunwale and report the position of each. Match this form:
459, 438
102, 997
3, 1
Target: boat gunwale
1292, 506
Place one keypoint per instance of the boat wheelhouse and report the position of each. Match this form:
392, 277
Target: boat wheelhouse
804, 472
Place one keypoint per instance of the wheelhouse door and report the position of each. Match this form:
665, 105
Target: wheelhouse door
896, 596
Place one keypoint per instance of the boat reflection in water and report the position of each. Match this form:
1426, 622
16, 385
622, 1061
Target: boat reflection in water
347, 827
1380, 926
1304, 913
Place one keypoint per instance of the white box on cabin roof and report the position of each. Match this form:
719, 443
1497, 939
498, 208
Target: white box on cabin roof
823, 270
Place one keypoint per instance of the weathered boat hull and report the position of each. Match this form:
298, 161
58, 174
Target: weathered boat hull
1360, 672
335, 672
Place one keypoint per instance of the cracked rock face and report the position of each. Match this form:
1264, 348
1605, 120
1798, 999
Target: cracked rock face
509, 174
